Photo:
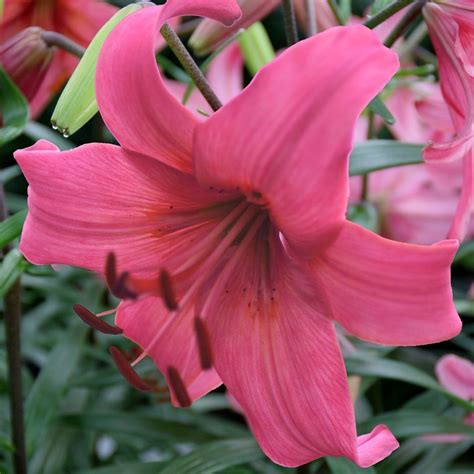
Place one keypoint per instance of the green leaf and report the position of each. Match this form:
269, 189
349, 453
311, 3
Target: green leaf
12, 267
376, 155
411, 423
215, 457
379, 5
392, 369
77, 104
36, 131
11, 228
14, 110
366, 215
43, 401
256, 47
465, 255
9, 173
379, 108
344, 466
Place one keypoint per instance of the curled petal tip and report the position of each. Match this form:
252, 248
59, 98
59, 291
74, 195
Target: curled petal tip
178, 387
94, 322
127, 371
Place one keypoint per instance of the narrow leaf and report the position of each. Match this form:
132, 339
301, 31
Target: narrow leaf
11, 228
36, 131
11, 268
379, 108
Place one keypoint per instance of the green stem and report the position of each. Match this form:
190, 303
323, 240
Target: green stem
12, 314
365, 178
387, 12
51, 38
404, 23
186, 60
289, 17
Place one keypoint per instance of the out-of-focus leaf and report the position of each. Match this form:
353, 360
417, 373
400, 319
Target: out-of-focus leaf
9, 173
464, 306
36, 131
392, 369
379, 108
379, 5
256, 47
376, 155
11, 227
410, 423
11, 268
366, 215
43, 401
77, 104
215, 457
345, 8
465, 255
14, 110
344, 466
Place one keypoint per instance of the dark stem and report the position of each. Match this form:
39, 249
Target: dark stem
311, 24
186, 60
403, 24
51, 38
12, 316
365, 178
387, 12
289, 18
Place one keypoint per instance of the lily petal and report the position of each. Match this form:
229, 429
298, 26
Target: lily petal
99, 198
279, 358
456, 375
388, 292
138, 108
175, 346
285, 140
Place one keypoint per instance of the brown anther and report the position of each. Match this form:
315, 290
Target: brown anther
178, 387
94, 322
121, 290
204, 343
127, 371
110, 270
167, 290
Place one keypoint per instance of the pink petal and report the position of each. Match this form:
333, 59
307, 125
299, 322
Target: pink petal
99, 198
456, 375
388, 292
132, 98
175, 346
279, 358
285, 140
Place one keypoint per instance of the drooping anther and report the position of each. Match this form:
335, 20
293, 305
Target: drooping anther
167, 290
110, 270
121, 290
127, 371
178, 387
94, 322
204, 343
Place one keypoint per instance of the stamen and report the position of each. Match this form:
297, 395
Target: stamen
121, 290
178, 387
127, 372
204, 343
94, 322
167, 290
105, 313
110, 270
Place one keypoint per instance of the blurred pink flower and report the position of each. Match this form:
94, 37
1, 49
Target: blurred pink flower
456, 375
249, 221
25, 57
416, 203
451, 27
77, 19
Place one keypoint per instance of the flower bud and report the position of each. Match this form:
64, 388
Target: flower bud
25, 57
77, 104
210, 34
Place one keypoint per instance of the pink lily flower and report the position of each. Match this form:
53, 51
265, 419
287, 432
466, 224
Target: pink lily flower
416, 203
210, 34
451, 27
456, 375
77, 19
245, 226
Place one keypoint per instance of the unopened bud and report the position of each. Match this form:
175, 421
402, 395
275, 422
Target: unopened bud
256, 47
77, 104
211, 34
25, 57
